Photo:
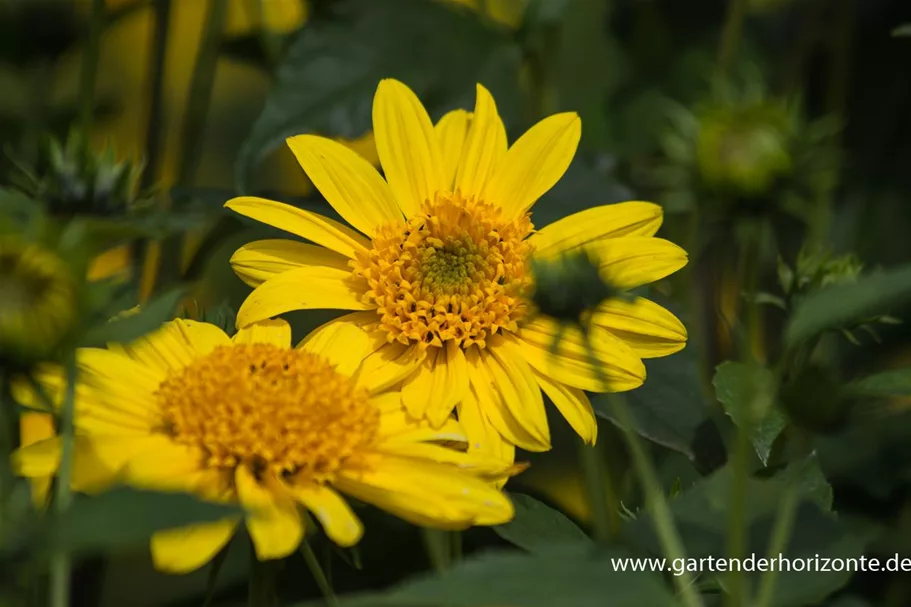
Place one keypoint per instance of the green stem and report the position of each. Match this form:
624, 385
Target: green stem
671, 544
90, 67
318, 574
781, 534
737, 528
60, 563
261, 588
730, 34
153, 138
438, 549
602, 498
200, 94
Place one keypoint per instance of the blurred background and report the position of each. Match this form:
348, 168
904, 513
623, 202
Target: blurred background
775, 133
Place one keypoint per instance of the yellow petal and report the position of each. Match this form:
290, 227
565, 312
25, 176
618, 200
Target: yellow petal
483, 438
164, 466
472, 463
571, 362
274, 522
342, 342
188, 548
175, 345
513, 379
608, 221
428, 493
649, 329
573, 405
37, 459
438, 385
487, 388
258, 261
316, 228
333, 512
35, 427
306, 288
484, 148
347, 181
398, 426
451, 131
276, 332
407, 147
389, 365
534, 163
635, 261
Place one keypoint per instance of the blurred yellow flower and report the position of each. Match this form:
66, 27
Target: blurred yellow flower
249, 419
441, 280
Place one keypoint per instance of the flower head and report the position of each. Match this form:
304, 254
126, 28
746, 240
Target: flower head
249, 419
437, 269
37, 291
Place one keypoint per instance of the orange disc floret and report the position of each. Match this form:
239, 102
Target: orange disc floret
455, 271
285, 410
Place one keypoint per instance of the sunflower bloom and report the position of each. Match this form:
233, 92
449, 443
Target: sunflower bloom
437, 270
251, 420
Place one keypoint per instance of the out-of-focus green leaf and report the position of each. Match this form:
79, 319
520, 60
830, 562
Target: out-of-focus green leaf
126, 517
838, 305
537, 527
902, 31
747, 391
544, 12
327, 79
669, 408
581, 576
701, 514
887, 383
133, 325
587, 183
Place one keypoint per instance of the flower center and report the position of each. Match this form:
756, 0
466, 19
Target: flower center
278, 408
455, 271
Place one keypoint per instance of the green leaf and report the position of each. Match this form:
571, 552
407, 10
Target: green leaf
566, 575
887, 383
747, 391
669, 408
839, 305
701, 515
544, 12
537, 527
127, 517
327, 79
133, 325
902, 31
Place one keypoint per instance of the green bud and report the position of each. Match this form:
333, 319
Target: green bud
568, 287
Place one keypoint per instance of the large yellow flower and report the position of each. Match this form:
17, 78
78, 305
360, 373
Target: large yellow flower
437, 269
249, 419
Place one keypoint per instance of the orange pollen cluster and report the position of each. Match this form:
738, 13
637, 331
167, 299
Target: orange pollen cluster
274, 408
455, 271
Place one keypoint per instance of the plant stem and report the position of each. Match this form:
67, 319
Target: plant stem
158, 53
318, 574
671, 544
261, 588
60, 562
737, 513
90, 67
438, 549
781, 534
200, 95
602, 498
730, 34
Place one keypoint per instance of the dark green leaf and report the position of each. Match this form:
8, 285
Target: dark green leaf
669, 408
747, 391
577, 576
537, 527
126, 517
887, 383
327, 79
839, 305
902, 31
541, 12
701, 514
135, 324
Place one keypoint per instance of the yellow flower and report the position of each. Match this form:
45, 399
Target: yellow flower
441, 279
249, 419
